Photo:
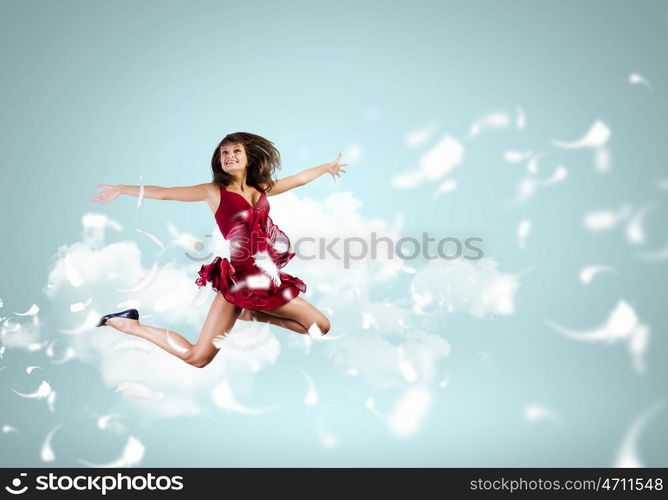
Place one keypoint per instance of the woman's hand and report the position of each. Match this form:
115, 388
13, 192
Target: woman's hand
334, 167
109, 194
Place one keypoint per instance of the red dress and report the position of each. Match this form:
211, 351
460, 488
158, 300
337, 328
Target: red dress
252, 277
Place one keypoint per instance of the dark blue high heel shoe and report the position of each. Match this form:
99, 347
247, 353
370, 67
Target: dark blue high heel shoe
129, 313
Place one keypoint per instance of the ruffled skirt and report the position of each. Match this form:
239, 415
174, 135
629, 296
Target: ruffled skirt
249, 291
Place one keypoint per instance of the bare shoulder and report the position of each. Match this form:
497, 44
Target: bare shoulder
212, 189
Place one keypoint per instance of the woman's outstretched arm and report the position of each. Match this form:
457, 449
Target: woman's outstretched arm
308, 175
199, 192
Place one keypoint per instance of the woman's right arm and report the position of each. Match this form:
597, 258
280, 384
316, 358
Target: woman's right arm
199, 192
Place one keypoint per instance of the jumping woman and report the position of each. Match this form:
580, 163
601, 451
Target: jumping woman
250, 285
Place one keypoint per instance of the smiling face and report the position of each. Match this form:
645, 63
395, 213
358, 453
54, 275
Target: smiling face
233, 157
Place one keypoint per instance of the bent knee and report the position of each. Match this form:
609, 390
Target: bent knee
199, 360
323, 325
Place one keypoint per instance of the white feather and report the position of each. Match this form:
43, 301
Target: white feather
263, 261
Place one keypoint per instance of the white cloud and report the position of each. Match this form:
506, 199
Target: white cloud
23, 334
392, 359
438, 161
80, 306
475, 287
167, 295
314, 225
106, 271
397, 358
136, 390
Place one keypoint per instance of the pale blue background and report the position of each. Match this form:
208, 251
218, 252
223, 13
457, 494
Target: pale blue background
99, 92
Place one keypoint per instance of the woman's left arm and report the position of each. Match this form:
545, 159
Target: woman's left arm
310, 174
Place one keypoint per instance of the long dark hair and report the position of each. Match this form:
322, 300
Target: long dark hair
263, 160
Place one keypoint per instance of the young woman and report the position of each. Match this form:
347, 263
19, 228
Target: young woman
250, 284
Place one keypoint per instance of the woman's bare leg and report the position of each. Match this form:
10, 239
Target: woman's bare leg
219, 321
263, 317
299, 310
153, 334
